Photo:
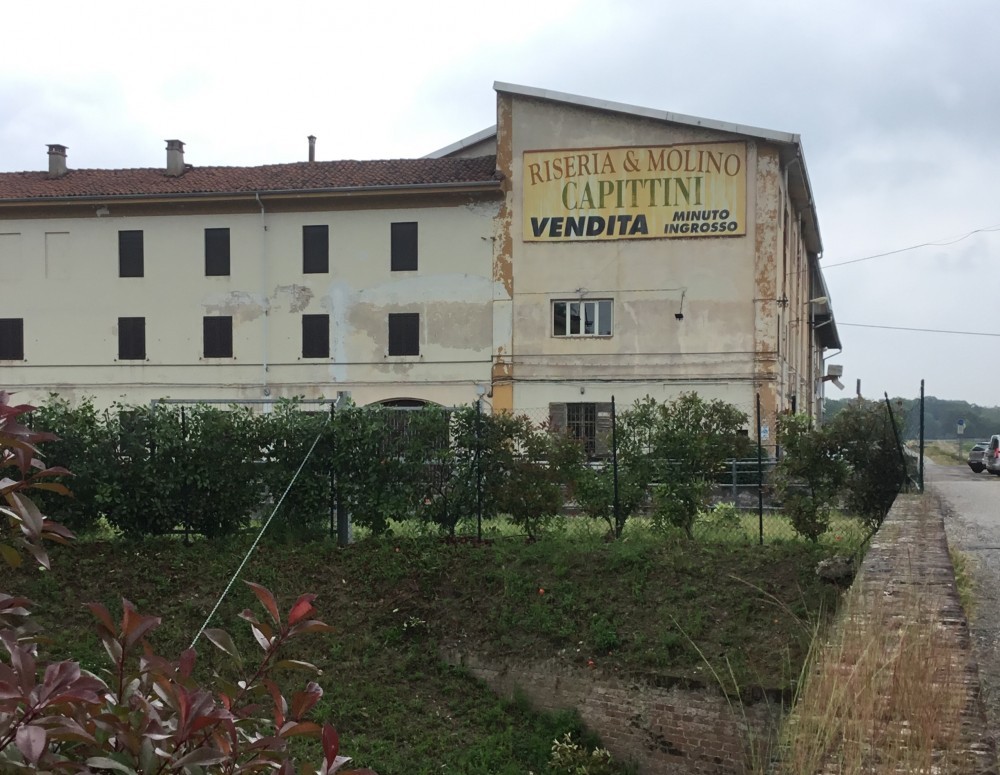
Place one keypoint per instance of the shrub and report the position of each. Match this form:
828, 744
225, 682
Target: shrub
152, 715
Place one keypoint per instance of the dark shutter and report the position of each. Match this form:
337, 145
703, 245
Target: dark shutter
216, 252
130, 252
315, 336
12, 339
131, 339
404, 333
218, 336
602, 440
315, 249
404, 247
557, 418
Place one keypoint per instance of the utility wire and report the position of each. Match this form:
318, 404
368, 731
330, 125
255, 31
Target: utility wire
940, 243
261, 534
925, 330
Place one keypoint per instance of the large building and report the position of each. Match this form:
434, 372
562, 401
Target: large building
577, 250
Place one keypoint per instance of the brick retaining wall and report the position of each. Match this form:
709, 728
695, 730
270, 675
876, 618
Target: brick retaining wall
681, 729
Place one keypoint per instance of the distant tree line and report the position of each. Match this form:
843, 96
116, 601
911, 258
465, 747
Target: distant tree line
941, 417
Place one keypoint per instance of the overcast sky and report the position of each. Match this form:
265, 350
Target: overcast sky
897, 103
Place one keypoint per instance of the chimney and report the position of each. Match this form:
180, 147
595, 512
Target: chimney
57, 161
312, 147
175, 158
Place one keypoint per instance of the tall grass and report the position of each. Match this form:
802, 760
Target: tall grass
885, 695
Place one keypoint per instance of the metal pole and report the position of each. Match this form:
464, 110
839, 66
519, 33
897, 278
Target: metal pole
614, 467
479, 469
921, 470
760, 476
895, 433
334, 514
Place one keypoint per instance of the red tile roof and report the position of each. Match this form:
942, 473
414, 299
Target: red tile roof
299, 176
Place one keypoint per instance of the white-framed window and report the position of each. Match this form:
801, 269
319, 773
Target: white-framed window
590, 317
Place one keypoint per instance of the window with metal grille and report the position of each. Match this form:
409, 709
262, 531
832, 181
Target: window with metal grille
586, 421
315, 249
315, 336
130, 261
592, 317
404, 247
218, 336
404, 333
131, 339
11, 339
216, 252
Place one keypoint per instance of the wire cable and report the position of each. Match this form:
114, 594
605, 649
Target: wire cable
924, 330
261, 534
940, 244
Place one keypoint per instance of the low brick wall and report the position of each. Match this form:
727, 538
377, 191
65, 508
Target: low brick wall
664, 730
679, 728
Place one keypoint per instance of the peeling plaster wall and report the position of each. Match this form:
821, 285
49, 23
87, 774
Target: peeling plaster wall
713, 349
72, 348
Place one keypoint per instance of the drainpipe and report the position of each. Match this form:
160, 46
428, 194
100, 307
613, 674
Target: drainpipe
266, 389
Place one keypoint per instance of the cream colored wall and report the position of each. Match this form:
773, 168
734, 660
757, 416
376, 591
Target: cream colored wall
71, 296
651, 352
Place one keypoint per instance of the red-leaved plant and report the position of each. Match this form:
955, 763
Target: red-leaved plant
149, 715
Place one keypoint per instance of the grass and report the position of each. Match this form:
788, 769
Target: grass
650, 604
886, 692
884, 696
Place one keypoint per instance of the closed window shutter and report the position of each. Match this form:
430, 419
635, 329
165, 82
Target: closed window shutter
557, 418
602, 445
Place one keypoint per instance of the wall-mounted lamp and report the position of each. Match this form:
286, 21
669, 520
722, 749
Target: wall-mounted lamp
102, 210
679, 315
819, 300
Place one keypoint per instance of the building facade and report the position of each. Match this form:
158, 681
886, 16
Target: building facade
577, 250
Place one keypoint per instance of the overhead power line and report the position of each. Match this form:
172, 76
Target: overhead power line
939, 243
923, 330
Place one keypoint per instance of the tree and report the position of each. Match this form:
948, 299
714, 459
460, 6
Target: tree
810, 475
864, 437
691, 440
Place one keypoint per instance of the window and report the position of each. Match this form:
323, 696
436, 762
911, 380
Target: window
315, 249
11, 339
218, 336
588, 422
582, 318
216, 252
130, 254
404, 247
404, 333
315, 336
131, 339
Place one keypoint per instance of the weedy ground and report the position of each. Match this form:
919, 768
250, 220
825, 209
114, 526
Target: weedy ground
652, 602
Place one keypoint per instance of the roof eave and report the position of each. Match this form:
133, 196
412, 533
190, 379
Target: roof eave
453, 187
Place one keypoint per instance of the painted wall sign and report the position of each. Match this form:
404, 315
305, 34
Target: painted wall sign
636, 192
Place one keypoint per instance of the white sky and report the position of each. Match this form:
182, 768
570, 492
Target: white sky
897, 103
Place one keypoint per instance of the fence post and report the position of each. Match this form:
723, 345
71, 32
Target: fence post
479, 469
760, 476
333, 485
614, 465
733, 481
921, 435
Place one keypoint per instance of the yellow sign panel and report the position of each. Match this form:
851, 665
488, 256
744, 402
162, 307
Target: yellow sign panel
639, 192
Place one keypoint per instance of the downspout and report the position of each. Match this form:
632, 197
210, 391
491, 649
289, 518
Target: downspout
266, 389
